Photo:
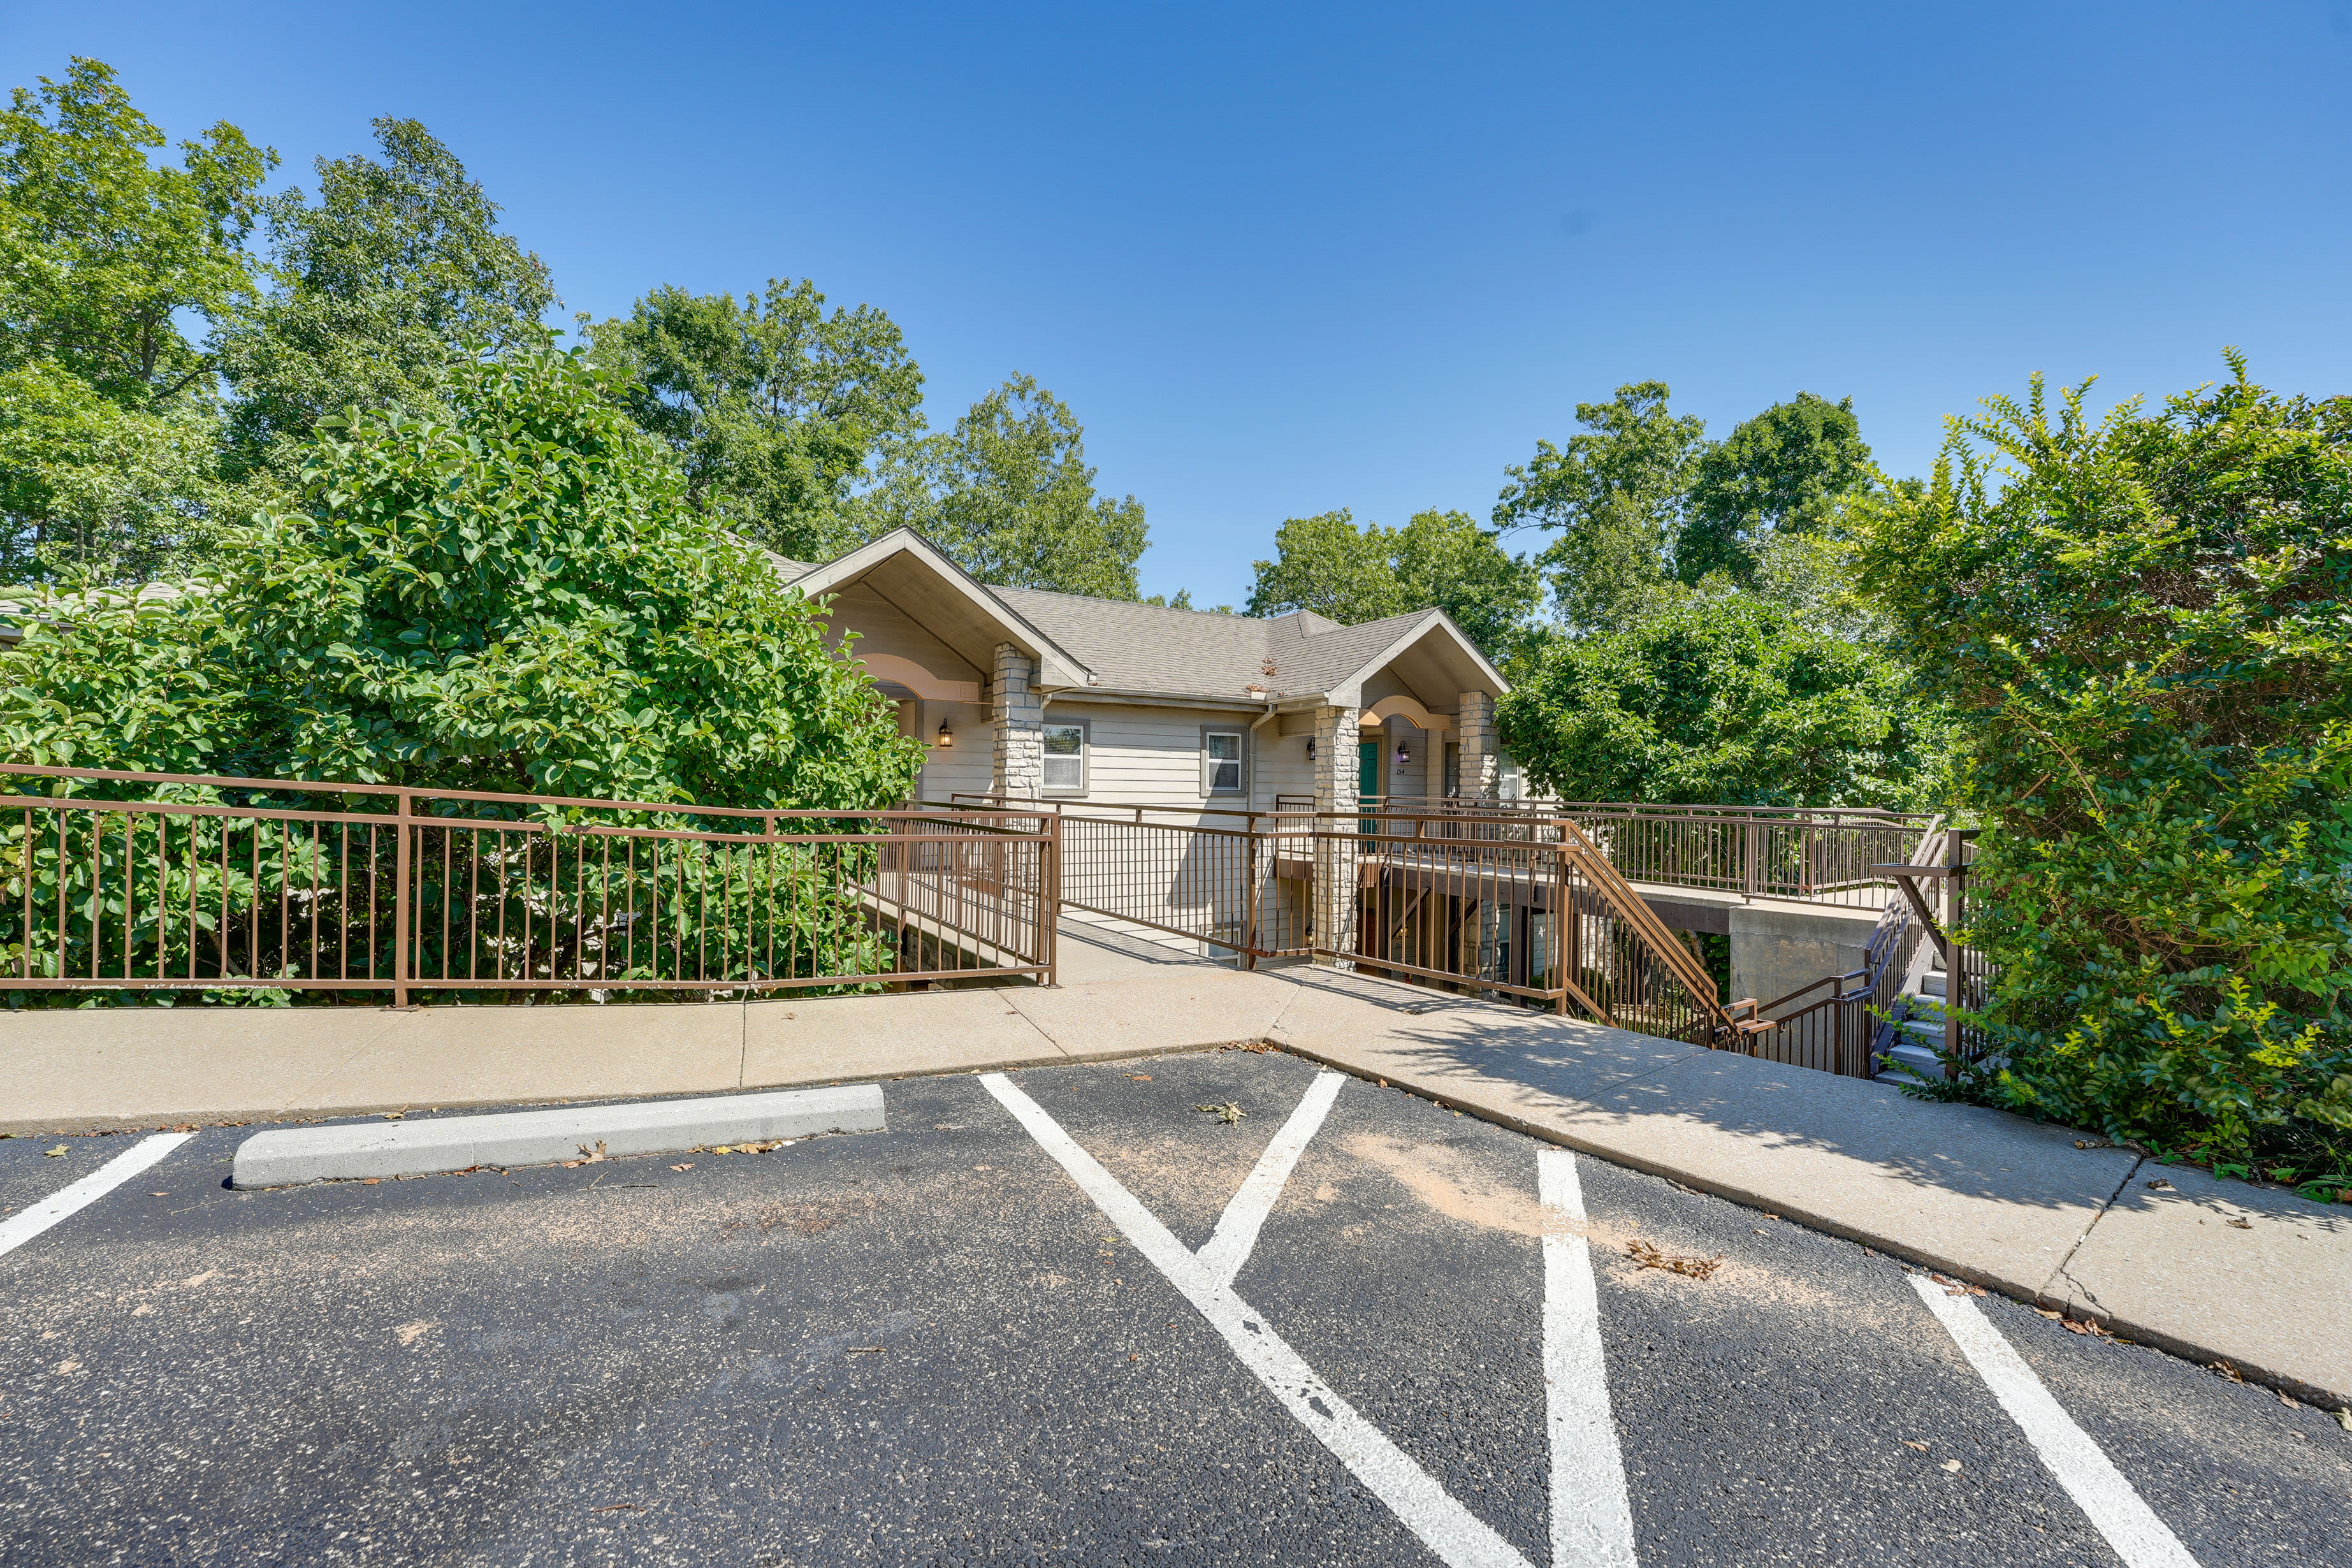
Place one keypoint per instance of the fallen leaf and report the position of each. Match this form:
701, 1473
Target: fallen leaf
67, 1368
2344, 1418
1140, 1077
1952, 1465
587, 1157
865, 1350
159, 1194
1909, 1444
1650, 1257
1228, 1113
53, 1154
2240, 1224
393, 1115
687, 1166
409, 1334
2225, 1370
370, 1181
2046, 1313
2159, 1186
2289, 1400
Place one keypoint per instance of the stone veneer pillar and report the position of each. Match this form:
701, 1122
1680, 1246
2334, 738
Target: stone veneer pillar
1480, 762
1019, 717
1335, 846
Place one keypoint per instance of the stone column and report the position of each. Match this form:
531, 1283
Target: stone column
1335, 844
1020, 717
1479, 760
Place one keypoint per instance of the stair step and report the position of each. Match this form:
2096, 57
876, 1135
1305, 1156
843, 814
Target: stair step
1933, 984
1908, 1062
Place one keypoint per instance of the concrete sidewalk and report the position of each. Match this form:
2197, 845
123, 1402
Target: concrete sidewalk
2213, 1270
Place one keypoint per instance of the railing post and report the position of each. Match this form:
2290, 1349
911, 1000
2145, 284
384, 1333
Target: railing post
1562, 925
1250, 931
1955, 953
400, 895
1050, 899
1753, 872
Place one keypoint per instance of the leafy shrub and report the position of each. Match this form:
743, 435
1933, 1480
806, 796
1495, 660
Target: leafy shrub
2143, 622
518, 601
1723, 698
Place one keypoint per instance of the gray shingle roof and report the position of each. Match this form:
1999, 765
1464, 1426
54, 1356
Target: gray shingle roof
1198, 653
1149, 649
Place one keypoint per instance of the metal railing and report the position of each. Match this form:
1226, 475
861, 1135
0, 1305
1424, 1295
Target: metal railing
1938, 893
1520, 909
1841, 1023
120, 880
1817, 856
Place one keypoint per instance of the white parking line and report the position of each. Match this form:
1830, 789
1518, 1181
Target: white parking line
2089, 1478
19, 1229
1591, 1520
1228, 1248
1451, 1532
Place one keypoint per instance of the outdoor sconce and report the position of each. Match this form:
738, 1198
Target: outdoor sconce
1404, 756
946, 736
1310, 748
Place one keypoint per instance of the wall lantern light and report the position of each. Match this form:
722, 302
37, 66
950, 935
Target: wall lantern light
946, 736
1404, 756
1310, 748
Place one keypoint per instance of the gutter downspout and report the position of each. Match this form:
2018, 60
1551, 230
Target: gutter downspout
1255, 725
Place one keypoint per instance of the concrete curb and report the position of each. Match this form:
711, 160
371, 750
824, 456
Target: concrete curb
292, 1156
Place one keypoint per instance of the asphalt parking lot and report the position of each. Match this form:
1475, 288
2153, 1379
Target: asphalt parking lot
1078, 1314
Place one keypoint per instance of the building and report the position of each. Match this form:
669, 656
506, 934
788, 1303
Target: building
1028, 694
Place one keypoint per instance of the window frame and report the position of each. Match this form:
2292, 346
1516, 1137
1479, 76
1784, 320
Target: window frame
1085, 727
1240, 759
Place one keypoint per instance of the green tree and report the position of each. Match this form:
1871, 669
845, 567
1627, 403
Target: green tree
1008, 495
107, 420
1784, 471
1441, 559
518, 599
2142, 618
1326, 564
777, 411
1614, 495
371, 290
1721, 698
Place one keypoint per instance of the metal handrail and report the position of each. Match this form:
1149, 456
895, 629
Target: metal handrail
102, 893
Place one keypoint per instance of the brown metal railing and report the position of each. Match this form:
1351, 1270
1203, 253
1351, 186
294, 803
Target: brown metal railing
1522, 908
141, 881
1819, 855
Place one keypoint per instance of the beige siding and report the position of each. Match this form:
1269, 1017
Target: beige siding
882, 628
1152, 756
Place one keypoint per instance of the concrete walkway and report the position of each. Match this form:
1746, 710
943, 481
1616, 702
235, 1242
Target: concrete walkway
2213, 1270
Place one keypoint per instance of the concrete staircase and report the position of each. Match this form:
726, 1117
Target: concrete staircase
1920, 1026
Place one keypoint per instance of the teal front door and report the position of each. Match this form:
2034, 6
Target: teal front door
1368, 769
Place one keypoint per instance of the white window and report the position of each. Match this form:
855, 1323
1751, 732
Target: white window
1066, 759
1221, 762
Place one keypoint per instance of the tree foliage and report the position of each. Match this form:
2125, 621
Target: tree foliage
1615, 495
2142, 619
1721, 698
516, 599
776, 410
1009, 496
1326, 564
369, 290
1783, 472
107, 462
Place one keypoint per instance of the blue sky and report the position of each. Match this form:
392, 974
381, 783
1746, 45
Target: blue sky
1285, 259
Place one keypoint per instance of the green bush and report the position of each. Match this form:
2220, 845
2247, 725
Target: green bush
1723, 698
2143, 620
518, 601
